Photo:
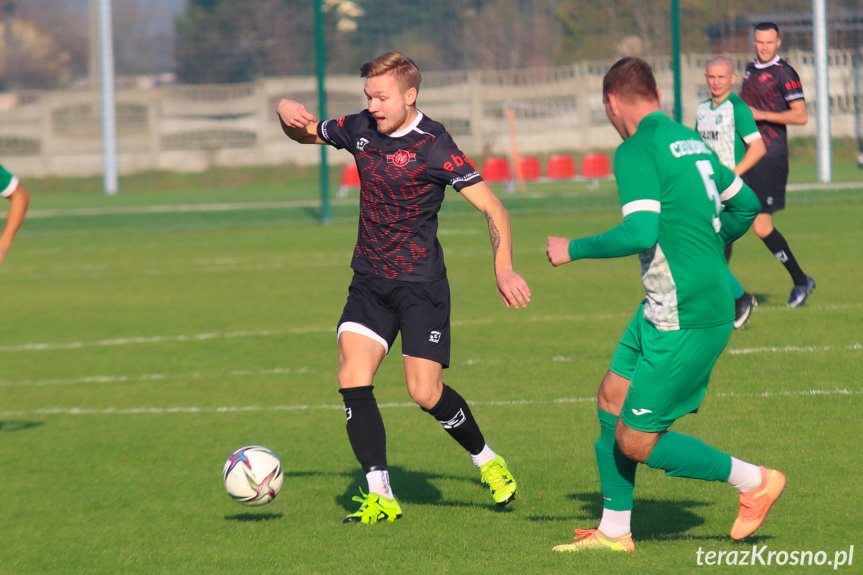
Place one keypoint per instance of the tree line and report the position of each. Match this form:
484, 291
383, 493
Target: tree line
227, 41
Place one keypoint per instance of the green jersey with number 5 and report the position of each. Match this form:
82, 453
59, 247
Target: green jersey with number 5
668, 169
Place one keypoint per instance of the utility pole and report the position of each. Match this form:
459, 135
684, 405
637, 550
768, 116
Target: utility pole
104, 63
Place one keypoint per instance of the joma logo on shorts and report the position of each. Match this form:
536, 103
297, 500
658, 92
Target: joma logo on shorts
641, 411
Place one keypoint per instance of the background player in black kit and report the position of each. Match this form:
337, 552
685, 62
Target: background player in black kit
772, 90
405, 161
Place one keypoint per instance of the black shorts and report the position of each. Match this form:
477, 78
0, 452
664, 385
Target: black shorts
767, 179
419, 310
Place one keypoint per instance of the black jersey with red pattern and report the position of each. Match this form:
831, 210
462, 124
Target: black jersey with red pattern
402, 180
771, 87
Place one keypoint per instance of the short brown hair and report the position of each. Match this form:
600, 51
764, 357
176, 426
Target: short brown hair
400, 66
630, 79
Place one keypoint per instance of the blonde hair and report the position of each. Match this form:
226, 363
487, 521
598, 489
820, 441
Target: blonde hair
403, 69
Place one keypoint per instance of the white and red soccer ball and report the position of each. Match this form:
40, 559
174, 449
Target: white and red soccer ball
253, 475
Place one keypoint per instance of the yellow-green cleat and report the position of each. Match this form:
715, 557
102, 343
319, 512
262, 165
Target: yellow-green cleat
594, 539
499, 480
374, 508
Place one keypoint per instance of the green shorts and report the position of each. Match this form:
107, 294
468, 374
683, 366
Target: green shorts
668, 370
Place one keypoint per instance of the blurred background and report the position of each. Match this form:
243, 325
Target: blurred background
197, 81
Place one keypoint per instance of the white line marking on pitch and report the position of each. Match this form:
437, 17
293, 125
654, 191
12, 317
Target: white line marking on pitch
793, 348
239, 206
157, 377
151, 339
222, 207
312, 329
256, 408
190, 337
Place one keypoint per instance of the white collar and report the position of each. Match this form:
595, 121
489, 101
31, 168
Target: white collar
761, 66
410, 128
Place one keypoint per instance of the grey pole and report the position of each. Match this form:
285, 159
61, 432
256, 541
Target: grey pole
822, 90
321, 65
109, 112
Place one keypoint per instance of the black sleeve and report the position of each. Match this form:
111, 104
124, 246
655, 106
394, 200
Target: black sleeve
448, 165
792, 88
338, 133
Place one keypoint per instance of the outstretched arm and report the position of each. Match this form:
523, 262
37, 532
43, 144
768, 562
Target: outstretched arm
512, 287
638, 232
298, 123
19, 200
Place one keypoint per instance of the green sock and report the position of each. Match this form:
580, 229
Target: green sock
736, 288
616, 471
684, 456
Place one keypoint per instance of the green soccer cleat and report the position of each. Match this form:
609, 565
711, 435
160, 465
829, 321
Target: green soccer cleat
499, 480
374, 508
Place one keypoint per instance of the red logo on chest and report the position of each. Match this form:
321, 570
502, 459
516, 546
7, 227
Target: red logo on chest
401, 158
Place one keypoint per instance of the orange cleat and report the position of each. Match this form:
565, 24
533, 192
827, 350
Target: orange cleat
594, 539
755, 504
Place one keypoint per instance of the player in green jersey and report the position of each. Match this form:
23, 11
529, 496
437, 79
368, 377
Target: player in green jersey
680, 207
19, 199
726, 124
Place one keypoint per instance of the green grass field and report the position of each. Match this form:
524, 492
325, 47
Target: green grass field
142, 346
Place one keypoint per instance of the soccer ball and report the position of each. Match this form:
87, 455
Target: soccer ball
253, 475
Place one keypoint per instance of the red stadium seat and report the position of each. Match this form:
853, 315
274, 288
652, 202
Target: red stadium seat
495, 170
560, 167
595, 165
530, 168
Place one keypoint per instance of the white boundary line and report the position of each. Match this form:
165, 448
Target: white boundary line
220, 207
120, 378
187, 337
157, 377
336, 407
793, 348
240, 206
44, 346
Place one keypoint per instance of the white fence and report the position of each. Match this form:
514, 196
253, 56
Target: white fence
194, 128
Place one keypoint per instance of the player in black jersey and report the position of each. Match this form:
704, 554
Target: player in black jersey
772, 89
405, 162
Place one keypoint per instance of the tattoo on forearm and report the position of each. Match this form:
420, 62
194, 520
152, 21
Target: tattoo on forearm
494, 235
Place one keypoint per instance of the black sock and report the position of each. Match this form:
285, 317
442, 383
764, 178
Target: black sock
365, 427
777, 245
452, 412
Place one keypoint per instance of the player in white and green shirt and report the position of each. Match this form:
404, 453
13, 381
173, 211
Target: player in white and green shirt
680, 207
19, 199
726, 124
